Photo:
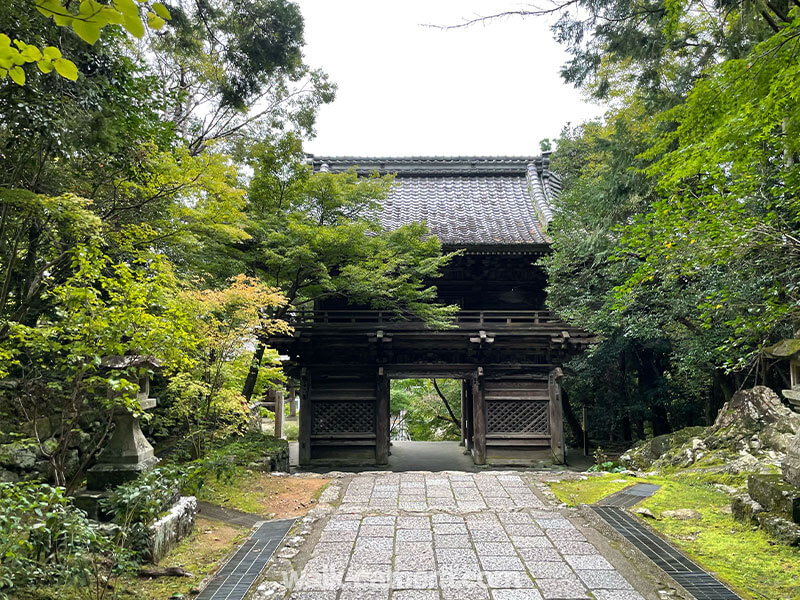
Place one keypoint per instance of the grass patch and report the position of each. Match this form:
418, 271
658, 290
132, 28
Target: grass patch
745, 558
590, 490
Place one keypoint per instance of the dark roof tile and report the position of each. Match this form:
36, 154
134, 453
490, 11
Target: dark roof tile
465, 201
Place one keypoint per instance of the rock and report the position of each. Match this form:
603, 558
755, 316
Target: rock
41, 428
779, 528
728, 489
643, 455
644, 512
755, 408
751, 434
745, 509
178, 523
18, 455
49, 446
268, 590
682, 514
8, 476
791, 463
775, 495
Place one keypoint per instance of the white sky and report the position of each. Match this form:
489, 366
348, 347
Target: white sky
405, 89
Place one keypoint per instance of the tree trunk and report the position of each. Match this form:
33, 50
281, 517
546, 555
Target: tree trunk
572, 420
252, 374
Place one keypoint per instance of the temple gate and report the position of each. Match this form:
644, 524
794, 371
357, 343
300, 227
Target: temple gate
504, 346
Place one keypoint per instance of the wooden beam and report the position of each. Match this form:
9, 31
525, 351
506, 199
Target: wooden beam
479, 420
304, 434
382, 419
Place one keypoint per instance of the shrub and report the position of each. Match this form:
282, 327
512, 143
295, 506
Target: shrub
44, 539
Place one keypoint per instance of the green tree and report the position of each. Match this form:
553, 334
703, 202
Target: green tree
103, 309
316, 236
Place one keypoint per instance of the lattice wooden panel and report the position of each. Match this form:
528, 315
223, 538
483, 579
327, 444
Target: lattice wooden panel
343, 417
518, 417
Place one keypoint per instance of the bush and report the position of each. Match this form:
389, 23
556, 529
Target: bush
137, 504
291, 429
44, 539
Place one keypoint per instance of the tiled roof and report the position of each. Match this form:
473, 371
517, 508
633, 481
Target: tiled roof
465, 201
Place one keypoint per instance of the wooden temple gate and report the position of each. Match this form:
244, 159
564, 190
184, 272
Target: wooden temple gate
504, 348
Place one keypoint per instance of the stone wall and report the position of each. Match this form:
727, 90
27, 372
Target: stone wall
172, 528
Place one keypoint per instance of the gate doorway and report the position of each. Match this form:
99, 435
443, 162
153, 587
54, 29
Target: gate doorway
427, 419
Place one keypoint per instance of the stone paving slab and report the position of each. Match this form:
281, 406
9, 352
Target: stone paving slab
465, 536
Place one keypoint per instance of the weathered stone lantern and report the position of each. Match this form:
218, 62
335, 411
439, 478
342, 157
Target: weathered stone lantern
128, 452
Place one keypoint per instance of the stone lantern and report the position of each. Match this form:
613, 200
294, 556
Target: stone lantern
127, 453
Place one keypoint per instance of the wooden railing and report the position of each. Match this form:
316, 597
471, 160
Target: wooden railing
471, 319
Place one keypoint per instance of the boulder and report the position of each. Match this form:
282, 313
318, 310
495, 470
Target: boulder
775, 495
18, 455
751, 434
745, 509
8, 476
682, 514
41, 428
791, 463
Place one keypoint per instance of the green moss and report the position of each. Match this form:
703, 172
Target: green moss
590, 490
747, 559
239, 491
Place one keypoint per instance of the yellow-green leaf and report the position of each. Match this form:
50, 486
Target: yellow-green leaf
5, 41
161, 11
66, 68
89, 32
134, 26
17, 75
127, 8
51, 53
45, 66
32, 54
113, 16
154, 21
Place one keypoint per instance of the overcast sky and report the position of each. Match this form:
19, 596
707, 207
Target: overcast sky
405, 89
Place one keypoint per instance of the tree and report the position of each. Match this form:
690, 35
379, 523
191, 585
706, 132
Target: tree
103, 309
316, 236
87, 20
429, 409
206, 400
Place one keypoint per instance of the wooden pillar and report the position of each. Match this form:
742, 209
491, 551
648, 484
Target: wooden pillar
382, 419
304, 434
292, 403
463, 441
469, 405
479, 419
556, 418
279, 414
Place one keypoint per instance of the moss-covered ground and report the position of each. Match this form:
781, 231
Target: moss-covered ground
745, 558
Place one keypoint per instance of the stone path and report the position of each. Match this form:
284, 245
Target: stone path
453, 536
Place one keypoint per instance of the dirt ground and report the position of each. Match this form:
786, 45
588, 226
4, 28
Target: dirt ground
286, 497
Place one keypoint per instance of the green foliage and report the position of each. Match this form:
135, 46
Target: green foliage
136, 505
43, 538
416, 406
316, 236
103, 309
